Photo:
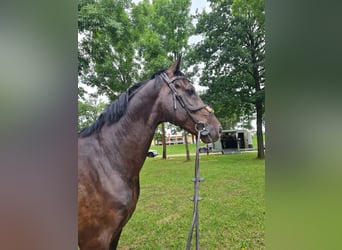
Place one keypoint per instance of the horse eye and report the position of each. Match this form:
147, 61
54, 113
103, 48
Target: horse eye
190, 91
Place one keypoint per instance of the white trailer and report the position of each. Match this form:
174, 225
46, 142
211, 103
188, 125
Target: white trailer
234, 140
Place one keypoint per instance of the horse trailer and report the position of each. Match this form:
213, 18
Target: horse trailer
234, 141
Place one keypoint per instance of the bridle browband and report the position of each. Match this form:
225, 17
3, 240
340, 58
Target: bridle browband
199, 125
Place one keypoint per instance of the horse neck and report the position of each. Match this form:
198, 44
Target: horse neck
132, 135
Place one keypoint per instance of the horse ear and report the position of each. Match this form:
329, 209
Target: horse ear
175, 66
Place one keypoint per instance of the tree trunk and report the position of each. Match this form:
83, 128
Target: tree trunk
186, 146
258, 103
163, 141
260, 138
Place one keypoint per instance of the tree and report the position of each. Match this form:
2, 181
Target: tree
233, 53
106, 51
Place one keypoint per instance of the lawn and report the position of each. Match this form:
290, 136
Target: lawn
231, 214
175, 149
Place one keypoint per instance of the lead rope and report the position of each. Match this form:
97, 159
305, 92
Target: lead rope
195, 198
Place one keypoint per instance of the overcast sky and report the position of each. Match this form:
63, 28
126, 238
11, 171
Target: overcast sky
199, 4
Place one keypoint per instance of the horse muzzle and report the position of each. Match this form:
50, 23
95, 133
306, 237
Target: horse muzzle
208, 132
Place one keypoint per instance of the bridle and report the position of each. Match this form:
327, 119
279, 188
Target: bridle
199, 125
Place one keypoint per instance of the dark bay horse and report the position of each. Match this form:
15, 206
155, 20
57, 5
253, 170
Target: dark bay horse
113, 149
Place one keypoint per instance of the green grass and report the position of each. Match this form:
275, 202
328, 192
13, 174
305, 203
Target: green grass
231, 214
175, 149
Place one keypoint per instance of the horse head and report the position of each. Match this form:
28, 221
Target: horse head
183, 106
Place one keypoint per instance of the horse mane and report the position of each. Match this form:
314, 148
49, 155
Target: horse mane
114, 111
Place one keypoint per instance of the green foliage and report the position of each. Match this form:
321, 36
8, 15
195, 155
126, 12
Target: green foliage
162, 29
106, 51
231, 214
88, 111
